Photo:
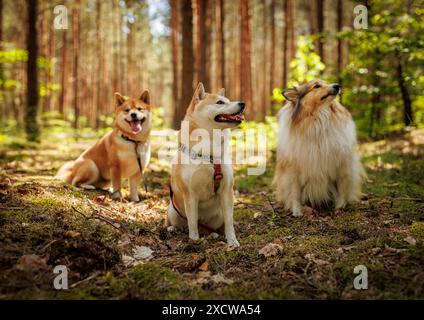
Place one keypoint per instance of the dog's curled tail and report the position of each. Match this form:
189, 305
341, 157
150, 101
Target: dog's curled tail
65, 172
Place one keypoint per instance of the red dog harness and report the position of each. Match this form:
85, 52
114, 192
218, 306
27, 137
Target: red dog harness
217, 178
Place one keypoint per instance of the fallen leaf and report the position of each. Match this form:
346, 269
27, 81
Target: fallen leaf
204, 266
72, 234
271, 249
142, 253
410, 240
311, 257
31, 262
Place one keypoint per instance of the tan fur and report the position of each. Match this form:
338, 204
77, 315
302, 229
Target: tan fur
193, 184
112, 158
317, 160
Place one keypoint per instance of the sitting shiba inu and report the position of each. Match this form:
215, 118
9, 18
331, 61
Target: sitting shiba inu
120, 154
202, 181
317, 161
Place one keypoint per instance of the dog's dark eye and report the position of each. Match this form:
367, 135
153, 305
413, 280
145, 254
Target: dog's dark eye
220, 102
139, 109
317, 86
127, 110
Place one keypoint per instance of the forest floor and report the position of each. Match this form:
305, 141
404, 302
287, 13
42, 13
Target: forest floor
45, 223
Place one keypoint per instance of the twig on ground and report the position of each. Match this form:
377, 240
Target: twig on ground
98, 217
94, 275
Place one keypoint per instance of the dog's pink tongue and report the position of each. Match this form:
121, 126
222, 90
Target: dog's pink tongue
136, 126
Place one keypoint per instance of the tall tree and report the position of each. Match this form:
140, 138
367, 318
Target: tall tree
320, 25
76, 53
99, 75
220, 44
203, 42
63, 74
31, 124
289, 48
245, 57
339, 40
408, 116
175, 27
188, 58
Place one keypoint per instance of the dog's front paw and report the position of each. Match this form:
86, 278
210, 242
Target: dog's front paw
117, 196
194, 236
297, 213
171, 229
135, 198
232, 242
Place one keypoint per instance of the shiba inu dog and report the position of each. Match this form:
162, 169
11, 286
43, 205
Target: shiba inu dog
121, 154
317, 161
202, 182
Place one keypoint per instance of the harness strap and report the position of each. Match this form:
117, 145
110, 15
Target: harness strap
217, 176
140, 166
171, 195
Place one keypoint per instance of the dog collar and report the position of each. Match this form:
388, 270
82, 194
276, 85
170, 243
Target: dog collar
197, 156
123, 136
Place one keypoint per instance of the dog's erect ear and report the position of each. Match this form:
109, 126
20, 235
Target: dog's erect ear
221, 92
291, 94
119, 99
200, 93
145, 97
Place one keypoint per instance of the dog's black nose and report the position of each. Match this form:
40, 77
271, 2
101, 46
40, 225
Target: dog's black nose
242, 105
337, 87
134, 115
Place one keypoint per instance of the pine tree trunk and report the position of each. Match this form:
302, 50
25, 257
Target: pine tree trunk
339, 41
188, 59
320, 22
245, 58
203, 43
289, 48
31, 124
63, 75
75, 73
220, 45
175, 26
408, 116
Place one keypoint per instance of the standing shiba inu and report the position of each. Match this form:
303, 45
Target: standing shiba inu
202, 183
120, 154
317, 162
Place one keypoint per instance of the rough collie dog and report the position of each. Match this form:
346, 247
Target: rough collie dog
201, 181
317, 161
121, 154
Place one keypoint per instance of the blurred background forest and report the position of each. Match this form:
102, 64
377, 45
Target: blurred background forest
65, 79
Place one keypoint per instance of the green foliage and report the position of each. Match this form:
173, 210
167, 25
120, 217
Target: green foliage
371, 80
306, 66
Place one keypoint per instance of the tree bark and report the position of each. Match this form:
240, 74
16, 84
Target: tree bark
31, 124
188, 59
220, 44
245, 58
75, 73
175, 27
320, 24
63, 75
289, 46
203, 43
408, 116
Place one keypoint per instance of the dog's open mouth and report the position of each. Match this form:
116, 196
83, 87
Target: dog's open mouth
136, 125
230, 118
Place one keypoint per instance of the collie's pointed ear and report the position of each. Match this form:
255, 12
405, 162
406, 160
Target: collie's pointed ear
119, 99
200, 93
291, 94
145, 97
221, 92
